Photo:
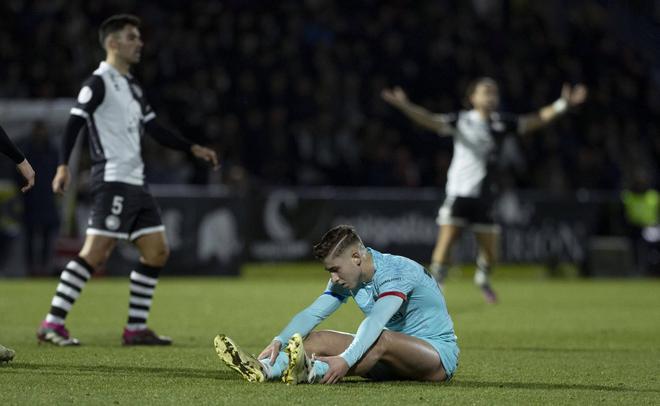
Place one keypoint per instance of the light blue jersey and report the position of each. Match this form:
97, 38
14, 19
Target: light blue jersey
423, 313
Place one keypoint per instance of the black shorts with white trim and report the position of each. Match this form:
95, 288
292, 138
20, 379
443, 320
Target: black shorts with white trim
123, 211
474, 212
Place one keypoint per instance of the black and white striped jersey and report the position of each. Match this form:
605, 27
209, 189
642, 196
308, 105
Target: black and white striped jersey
476, 142
116, 112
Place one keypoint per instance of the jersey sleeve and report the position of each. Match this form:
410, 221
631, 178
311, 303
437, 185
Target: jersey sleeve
8, 148
90, 96
310, 317
449, 119
147, 111
448, 123
370, 328
511, 122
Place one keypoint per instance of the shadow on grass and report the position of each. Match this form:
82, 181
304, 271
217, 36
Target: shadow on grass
118, 370
545, 386
460, 383
553, 349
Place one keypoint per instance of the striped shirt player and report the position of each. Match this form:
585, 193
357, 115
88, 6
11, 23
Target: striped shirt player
471, 179
112, 111
471, 184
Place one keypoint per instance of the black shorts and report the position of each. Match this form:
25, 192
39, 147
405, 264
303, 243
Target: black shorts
475, 212
124, 211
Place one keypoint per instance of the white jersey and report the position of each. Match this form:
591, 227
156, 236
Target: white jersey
475, 141
116, 111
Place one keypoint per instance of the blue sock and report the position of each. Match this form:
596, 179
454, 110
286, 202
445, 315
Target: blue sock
320, 368
274, 372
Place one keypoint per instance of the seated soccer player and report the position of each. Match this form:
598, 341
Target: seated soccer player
407, 333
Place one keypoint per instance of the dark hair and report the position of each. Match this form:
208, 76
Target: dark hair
335, 241
472, 86
116, 23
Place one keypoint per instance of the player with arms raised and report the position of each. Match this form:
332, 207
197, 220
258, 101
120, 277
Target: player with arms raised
471, 187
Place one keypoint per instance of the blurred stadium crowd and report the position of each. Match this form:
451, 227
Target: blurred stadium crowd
289, 91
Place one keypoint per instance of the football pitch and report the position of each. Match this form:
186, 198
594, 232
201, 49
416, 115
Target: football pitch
548, 341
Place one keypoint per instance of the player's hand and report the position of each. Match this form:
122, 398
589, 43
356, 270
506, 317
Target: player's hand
25, 169
207, 154
338, 369
574, 95
271, 351
395, 96
61, 179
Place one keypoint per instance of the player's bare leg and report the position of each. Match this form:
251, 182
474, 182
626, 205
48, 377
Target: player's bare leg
440, 259
403, 356
97, 249
154, 253
94, 254
488, 242
153, 247
326, 343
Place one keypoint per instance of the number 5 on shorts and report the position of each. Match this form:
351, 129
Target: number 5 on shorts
117, 205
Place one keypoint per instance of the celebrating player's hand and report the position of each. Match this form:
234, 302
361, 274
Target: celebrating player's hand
395, 96
271, 351
25, 169
574, 95
61, 179
338, 369
207, 154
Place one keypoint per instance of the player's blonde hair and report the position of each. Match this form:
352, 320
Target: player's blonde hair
335, 241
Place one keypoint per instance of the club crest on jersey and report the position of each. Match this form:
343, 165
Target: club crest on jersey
85, 95
112, 222
498, 126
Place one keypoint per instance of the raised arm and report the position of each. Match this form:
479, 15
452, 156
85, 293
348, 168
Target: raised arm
571, 96
434, 122
303, 322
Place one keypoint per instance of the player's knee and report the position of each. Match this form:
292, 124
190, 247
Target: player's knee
97, 260
157, 256
488, 257
313, 343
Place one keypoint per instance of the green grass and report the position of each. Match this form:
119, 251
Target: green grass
548, 341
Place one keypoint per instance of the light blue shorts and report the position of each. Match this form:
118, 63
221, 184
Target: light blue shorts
448, 352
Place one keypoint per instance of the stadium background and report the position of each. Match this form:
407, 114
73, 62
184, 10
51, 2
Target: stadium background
288, 93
